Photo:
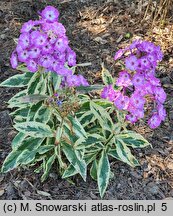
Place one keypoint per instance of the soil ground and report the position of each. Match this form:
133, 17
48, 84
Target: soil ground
96, 29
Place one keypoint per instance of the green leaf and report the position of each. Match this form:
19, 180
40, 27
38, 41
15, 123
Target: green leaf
103, 117
16, 97
55, 79
103, 173
70, 171
93, 170
44, 149
26, 157
32, 85
33, 98
18, 139
113, 153
34, 129
19, 80
89, 157
133, 139
33, 110
23, 68
10, 162
77, 127
43, 114
89, 88
125, 154
106, 76
91, 140
23, 112
87, 118
29, 144
48, 166
75, 159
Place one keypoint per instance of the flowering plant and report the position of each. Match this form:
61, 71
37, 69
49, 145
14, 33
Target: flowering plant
58, 123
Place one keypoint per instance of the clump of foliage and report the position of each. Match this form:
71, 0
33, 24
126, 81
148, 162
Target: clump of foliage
56, 119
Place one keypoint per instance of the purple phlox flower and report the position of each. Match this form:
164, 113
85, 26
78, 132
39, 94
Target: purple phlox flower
50, 14
105, 91
154, 121
55, 28
135, 44
159, 53
122, 102
34, 35
71, 58
23, 56
52, 38
152, 57
160, 94
113, 94
83, 81
61, 57
137, 101
40, 40
24, 40
46, 61
161, 111
34, 52
138, 80
14, 60
73, 81
138, 112
61, 44
19, 48
154, 81
145, 64
32, 65
140, 90
119, 54
131, 62
124, 79
61, 70
47, 49
148, 88
149, 74
27, 26
148, 47
131, 118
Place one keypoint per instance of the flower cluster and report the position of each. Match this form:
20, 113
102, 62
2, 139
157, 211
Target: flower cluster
43, 44
138, 83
